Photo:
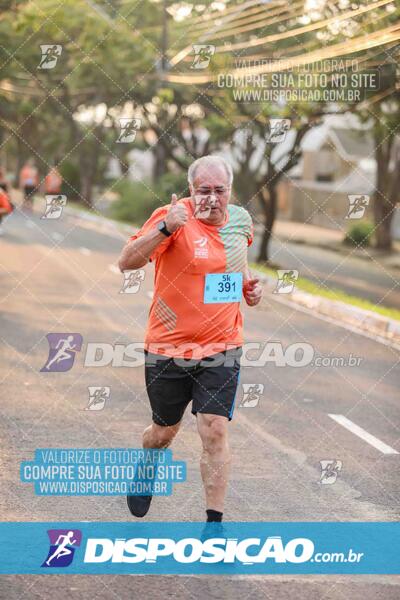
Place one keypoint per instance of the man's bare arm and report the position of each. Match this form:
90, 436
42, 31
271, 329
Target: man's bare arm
137, 253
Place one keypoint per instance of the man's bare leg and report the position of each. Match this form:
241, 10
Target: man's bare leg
157, 436
154, 436
215, 459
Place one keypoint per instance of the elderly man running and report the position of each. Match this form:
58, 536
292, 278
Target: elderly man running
199, 245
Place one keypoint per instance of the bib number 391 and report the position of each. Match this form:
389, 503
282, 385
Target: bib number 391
223, 287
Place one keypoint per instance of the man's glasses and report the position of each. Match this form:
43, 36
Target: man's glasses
219, 190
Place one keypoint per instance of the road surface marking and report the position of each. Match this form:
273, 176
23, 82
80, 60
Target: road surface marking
57, 237
114, 269
364, 435
85, 251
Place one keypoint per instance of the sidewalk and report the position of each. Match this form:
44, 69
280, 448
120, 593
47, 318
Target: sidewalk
331, 239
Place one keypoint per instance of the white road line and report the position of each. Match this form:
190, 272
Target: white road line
364, 435
114, 269
85, 251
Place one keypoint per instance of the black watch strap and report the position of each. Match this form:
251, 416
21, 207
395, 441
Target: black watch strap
162, 227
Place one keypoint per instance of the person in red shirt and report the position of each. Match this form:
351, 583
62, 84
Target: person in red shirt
3, 180
28, 182
5, 207
53, 182
194, 333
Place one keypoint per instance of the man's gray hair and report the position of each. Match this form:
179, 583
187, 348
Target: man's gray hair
206, 161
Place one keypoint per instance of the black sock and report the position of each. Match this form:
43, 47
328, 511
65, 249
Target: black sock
214, 516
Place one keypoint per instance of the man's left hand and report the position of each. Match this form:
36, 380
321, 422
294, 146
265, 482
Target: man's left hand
252, 291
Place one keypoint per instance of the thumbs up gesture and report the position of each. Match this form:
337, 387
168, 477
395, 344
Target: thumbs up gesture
177, 215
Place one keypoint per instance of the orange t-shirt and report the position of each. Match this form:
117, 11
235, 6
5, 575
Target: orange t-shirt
4, 201
180, 323
53, 182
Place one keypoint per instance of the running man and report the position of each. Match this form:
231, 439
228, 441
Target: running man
5, 207
62, 542
201, 273
53, 182
3, 180
28, 182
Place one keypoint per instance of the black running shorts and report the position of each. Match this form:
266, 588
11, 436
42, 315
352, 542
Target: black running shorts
210, 383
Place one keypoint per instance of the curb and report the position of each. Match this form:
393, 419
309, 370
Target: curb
345, 250
363, 319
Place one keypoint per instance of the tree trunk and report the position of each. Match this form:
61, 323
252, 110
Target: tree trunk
269, 207
383, 204
89, 165
160, 161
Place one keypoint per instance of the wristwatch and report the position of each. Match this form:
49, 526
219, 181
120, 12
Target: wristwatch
162, 226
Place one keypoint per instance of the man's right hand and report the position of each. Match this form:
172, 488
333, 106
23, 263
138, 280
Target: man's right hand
177, 215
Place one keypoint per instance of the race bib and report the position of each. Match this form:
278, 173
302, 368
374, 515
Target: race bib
223, 287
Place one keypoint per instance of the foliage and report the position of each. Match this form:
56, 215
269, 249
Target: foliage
138, 199
359, 234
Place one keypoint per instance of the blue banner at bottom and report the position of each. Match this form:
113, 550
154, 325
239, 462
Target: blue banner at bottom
246, 548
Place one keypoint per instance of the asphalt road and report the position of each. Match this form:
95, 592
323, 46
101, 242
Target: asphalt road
356, 276
57, 276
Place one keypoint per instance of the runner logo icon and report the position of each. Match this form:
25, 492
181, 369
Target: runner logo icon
63, 347
98, 395
202, 55
63, 543
50, 54
357, 206
329, 471
54, 206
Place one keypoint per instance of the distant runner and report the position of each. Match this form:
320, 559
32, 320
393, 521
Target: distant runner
3, 180
6, 208
28, 182
53, 182
199, 246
